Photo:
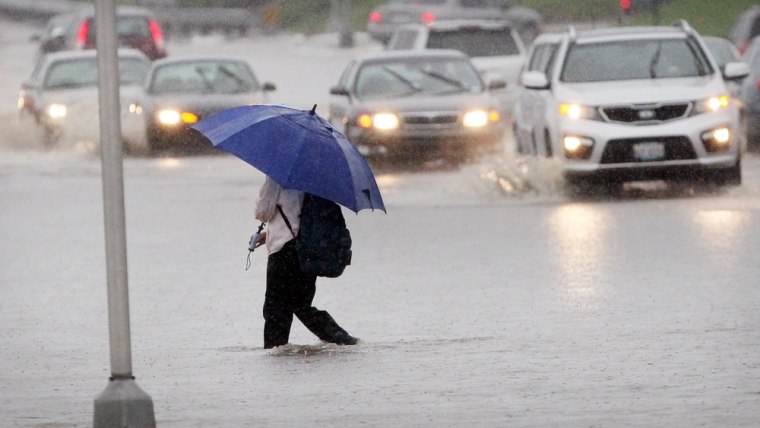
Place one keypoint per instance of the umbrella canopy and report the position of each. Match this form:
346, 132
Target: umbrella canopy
298, 149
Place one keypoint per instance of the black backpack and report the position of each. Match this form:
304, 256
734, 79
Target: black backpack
323, 242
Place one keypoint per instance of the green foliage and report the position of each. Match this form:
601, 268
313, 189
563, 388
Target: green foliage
709, 18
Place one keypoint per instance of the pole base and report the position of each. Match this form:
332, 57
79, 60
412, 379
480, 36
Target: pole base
124, 404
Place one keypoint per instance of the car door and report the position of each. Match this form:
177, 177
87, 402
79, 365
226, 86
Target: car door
531, 127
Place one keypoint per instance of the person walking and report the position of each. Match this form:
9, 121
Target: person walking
289, 290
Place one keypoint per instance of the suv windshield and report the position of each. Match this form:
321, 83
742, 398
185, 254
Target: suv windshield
407, 77
634, 59
475, 42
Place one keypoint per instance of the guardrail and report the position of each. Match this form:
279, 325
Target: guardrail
174, 19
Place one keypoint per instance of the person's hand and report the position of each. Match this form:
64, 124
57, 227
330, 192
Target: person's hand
262, 239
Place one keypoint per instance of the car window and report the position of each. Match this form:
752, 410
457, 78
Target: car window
418, 75
633, 59
84, 72
543, 58
126, 27
475, 42
220, 77
404, 39
343, 81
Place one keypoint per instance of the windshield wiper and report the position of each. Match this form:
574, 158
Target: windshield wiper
655, 61
412, 85
207, 83
447, 79
232, 75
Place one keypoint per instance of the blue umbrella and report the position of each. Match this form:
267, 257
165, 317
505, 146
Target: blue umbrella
298, 149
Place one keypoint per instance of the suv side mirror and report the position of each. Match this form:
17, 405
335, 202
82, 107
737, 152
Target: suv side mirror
735, 71
268, 87
534, 80
338, 90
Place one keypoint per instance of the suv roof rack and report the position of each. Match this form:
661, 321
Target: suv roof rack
683, 25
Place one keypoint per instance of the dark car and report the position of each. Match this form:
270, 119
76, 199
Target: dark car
384, 19
413, 101
136, 28
181, 91
746, 27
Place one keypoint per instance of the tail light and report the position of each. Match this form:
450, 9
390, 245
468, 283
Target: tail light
428, 17
156, 33
375, 17
84, 29
743, 47
757, 84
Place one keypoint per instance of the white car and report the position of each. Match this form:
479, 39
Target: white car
494, 47
61, 97
625, 104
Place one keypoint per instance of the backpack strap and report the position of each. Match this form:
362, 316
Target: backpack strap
287, 222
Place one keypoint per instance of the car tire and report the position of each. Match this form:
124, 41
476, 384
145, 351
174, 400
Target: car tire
731, 176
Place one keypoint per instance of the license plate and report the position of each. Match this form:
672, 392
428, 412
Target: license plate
648, 151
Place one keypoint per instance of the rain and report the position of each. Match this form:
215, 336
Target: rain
486, 296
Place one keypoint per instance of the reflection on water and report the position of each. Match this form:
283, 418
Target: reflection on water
721, 231
579, 233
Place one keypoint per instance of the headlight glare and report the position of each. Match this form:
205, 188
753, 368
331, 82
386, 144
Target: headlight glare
475, 119
169, 117
385, 121
577, 111
57, 111
712, 104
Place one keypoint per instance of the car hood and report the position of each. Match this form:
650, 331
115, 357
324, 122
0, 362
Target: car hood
420, 103
205, 104
504, 67
640, 91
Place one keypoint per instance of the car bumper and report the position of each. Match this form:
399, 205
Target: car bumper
426, 138
617, 148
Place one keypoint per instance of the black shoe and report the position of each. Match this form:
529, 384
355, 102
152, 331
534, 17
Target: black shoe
345, 339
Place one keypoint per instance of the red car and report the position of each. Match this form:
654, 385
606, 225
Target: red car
136, 28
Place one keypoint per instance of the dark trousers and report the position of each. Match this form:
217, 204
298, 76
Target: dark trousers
290, 292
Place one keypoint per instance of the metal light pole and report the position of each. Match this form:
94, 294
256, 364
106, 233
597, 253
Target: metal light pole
122, 403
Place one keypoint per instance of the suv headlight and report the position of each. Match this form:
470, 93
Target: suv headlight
712, 104
578, 111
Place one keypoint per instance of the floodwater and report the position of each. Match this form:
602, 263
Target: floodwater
483, 298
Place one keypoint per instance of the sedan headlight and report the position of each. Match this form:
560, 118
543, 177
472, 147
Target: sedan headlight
379, 121
56, 111
712, 104
578, 111
475, 119
171, 117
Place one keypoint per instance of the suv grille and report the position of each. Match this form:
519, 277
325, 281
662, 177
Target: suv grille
621, 151
644, 114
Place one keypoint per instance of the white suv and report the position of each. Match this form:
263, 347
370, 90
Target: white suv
494, 46
631, 103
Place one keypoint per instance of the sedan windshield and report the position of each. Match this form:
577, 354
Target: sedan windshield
82, 72
389, 79
634, 59
209, 77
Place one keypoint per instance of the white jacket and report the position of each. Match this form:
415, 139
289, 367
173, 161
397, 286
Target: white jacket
271, 195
